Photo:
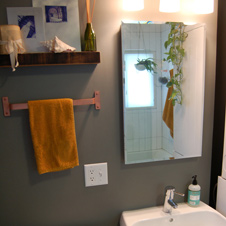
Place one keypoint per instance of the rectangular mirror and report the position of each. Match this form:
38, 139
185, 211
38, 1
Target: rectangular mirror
156, 127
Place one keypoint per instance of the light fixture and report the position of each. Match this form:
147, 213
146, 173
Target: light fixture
203, 6
187, 6
169, 6
133, 5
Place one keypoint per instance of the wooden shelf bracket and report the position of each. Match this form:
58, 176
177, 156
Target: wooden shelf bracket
8, 107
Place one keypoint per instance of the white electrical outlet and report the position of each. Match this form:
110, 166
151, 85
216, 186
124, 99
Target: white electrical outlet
96, 174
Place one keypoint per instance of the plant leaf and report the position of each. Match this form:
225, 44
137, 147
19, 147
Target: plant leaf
169, 84
174, 93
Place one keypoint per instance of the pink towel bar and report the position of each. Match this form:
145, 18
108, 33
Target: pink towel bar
7, 107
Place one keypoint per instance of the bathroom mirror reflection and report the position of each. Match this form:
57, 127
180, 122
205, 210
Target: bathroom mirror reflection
154, 129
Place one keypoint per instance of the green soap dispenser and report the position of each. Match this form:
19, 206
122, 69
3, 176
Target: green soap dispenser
194, 191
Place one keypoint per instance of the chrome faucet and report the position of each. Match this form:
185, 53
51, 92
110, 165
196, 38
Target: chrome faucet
169, 203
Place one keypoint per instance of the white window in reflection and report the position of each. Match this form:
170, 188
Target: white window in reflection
139, 85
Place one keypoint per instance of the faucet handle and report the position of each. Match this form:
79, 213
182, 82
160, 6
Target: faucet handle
180, 194
172, 188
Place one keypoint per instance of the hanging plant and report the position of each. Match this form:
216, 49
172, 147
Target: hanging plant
147, 64
176, 38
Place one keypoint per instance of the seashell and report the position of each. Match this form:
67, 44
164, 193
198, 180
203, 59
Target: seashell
57, 46
48, 44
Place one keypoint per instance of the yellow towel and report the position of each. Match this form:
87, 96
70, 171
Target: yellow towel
167, 115
53, 134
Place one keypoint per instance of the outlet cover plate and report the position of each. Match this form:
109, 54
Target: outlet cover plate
96, 174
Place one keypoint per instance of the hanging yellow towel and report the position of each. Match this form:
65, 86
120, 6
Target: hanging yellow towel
167, 115
53, 134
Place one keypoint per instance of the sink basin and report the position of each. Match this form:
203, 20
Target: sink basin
184, 215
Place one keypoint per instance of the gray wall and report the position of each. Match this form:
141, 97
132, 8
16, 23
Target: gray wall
61, 198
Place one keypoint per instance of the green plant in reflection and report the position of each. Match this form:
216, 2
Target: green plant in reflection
147, 64
176, 53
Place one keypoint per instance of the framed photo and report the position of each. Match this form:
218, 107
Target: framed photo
30, 21
61, 19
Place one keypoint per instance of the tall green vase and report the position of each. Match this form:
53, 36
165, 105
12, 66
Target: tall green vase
90, 38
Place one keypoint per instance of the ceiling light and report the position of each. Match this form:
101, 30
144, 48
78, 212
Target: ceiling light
203, 6
133, 5
169, 6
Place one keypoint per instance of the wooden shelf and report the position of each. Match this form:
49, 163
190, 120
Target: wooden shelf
45, 59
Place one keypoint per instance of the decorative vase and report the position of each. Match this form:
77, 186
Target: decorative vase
90, 38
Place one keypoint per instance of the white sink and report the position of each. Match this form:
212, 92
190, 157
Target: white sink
184, 215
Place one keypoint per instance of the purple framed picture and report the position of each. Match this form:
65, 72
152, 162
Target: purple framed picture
61, 19
30, 21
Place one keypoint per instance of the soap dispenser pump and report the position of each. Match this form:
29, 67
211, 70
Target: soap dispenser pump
194, 191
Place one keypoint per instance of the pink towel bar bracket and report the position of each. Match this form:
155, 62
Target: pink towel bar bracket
7, 107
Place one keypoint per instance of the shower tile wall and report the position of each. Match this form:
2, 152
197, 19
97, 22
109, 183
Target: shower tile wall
143, 129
